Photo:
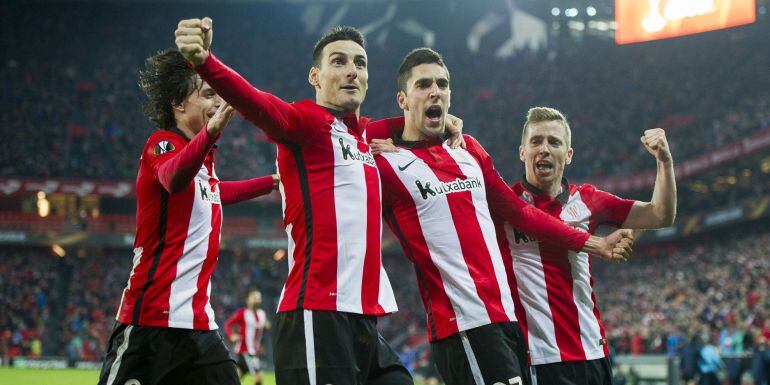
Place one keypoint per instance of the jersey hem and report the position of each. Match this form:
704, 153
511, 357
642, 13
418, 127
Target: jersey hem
592, 355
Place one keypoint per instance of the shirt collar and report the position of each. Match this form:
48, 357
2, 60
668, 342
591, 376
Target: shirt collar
563, 197
399, 141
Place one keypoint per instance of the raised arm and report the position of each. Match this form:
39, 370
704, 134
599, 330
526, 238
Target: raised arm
536, 223
175, 171
242, 190
661, 210
280, 120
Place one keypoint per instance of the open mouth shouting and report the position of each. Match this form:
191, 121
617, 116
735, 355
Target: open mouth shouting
544, 167
434, 114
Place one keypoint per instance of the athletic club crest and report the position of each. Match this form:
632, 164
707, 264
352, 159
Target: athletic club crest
163, 147
571, 211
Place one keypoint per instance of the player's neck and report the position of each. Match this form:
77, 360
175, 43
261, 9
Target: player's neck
552, 188
338, 108
186, 131
412, 134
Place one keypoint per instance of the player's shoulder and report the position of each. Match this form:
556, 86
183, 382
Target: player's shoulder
586, 190
163, 141
472, 144
470, 139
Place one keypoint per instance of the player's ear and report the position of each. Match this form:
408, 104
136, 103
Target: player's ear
521, 153
401, 99
312, 76
569, 155
179, 107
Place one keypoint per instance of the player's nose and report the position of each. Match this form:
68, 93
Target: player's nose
351, 70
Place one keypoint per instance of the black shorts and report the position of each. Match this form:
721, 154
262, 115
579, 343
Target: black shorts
593, 372
161, 356
489, 354
249, 364
324, 347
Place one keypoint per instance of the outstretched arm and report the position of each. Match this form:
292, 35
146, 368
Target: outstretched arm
242, 190
280, 120
661, 210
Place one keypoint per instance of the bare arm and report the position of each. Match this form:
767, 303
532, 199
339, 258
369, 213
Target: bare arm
661, 210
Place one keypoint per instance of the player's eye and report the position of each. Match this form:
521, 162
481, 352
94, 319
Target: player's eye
338, 61
361, 63
443, 83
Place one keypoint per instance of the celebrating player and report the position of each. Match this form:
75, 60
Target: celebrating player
251, 322
165, 330
325, 329
437, 200
553, 286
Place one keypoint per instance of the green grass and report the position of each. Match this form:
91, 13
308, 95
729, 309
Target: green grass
10, 376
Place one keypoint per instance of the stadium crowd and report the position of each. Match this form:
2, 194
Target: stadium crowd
28, 279
653, 304
86, 120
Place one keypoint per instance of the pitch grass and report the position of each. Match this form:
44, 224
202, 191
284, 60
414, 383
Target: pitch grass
11, 376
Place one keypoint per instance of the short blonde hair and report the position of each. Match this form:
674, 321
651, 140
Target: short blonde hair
545, 114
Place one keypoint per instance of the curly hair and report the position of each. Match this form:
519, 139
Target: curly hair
167, 80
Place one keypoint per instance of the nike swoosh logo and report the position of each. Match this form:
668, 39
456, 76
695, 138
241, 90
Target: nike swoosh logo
402, 168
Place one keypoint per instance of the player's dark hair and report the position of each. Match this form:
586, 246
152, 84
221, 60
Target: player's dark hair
337, 33
413, 59
167, 80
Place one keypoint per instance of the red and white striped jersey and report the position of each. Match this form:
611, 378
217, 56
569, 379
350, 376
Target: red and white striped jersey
177, 241
251, 325
331, 198
555, 301
437, 200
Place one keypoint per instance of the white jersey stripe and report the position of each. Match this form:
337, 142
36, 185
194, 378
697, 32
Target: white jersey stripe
208, 309
534, 298
444, 245
475, 370
251, 327
349, 205
471, 169
289, 253
309, 346
189, 266
590, 335
119, 355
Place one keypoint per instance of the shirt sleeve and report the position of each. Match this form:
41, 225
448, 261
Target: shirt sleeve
232, 321
530, 220
174, 164
281, 121
608, 208
242, 190
384, 128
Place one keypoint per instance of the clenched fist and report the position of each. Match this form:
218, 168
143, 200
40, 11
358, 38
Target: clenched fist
655, 142
619, 245
193, 39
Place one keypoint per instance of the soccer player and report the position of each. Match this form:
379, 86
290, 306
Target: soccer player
437, 200
165, 330
553, 286
325, 329
251, 322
